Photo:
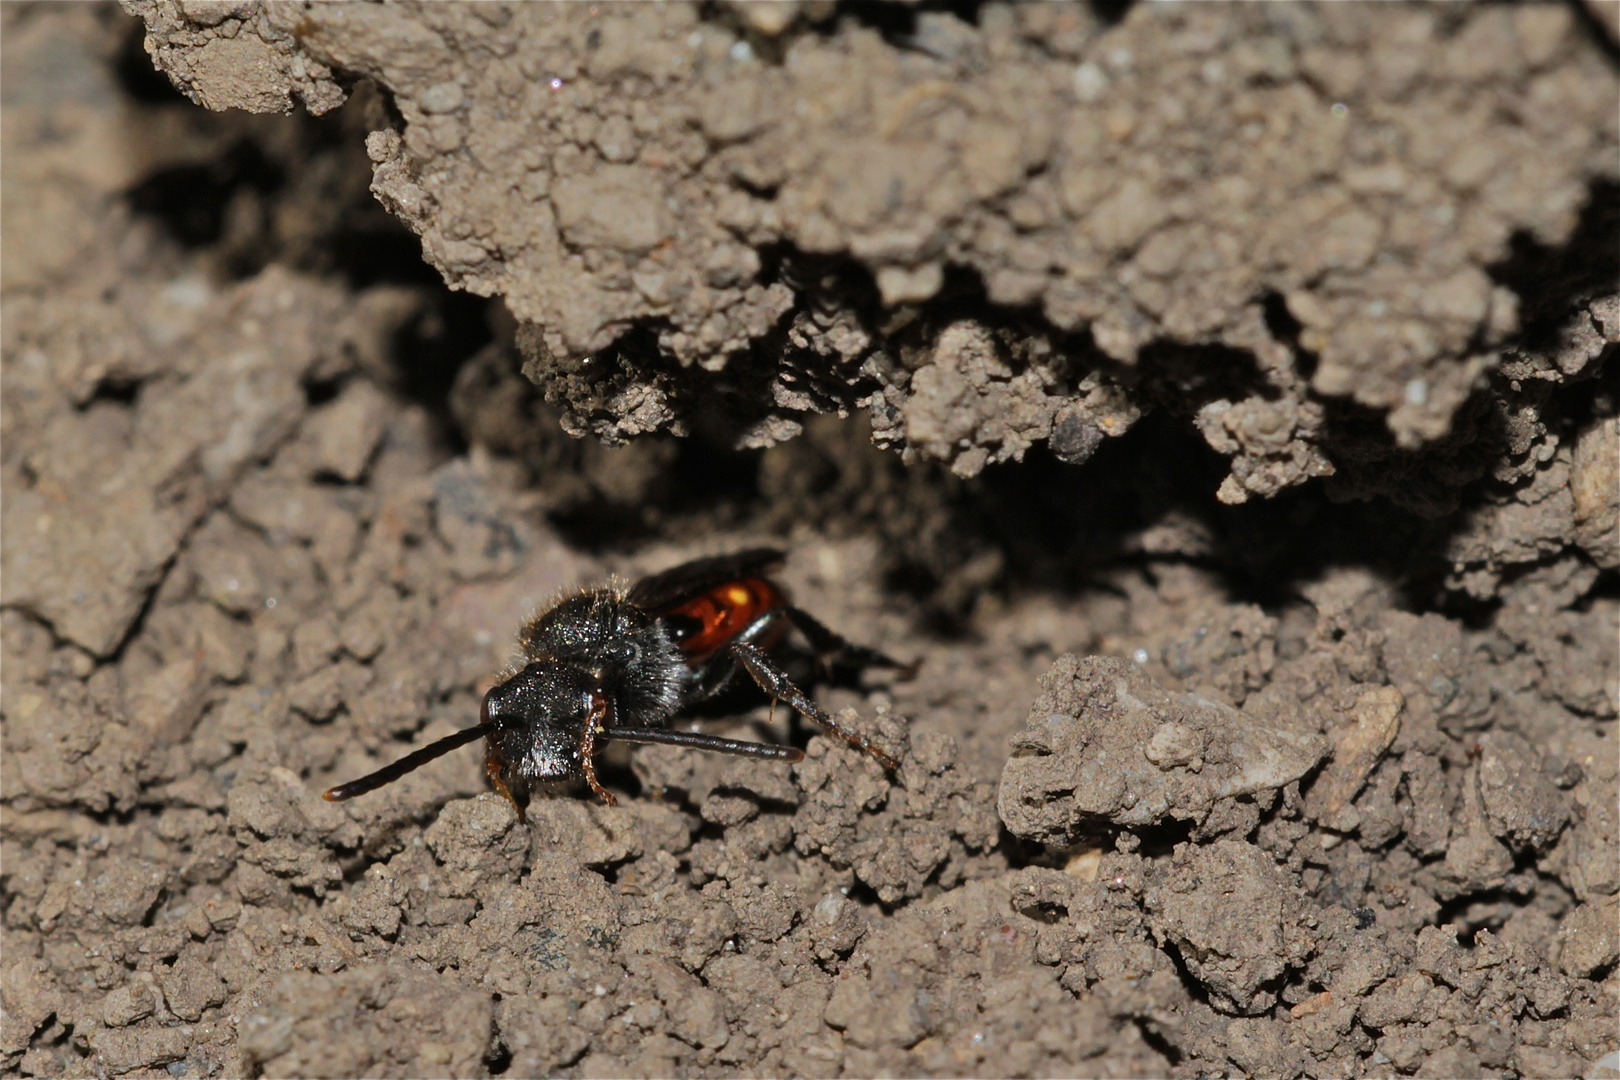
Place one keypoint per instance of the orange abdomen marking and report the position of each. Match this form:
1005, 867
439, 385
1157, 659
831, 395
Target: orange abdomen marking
725, 612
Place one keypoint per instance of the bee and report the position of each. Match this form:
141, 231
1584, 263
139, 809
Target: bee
619, 665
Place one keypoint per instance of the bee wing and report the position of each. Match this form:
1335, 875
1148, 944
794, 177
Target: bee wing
673, 587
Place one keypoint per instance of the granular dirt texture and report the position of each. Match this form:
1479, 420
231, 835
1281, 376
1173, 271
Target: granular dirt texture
995, 231
1219, 401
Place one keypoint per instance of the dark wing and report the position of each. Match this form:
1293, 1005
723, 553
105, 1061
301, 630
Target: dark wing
675, 586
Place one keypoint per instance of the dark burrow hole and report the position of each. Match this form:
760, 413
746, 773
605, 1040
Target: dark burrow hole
1160, 841
318, 392
114, 391
859, 892
1185, 378
1057, 525
1053, 527
1112, 12
190, 201
897, 22
702, 486
430, 349
499, 1059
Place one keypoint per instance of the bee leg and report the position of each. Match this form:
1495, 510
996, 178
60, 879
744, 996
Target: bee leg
775, 682
697, 741
594, 723
830, 645
493, 767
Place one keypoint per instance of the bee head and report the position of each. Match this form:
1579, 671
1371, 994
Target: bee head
536, 720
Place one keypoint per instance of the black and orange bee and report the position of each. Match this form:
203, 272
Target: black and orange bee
607, 664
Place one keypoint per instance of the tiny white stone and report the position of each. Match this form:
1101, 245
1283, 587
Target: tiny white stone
1089, 82
189, 291
443, 98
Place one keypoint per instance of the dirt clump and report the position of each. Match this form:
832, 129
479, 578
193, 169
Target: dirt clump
1143, 757
653, 197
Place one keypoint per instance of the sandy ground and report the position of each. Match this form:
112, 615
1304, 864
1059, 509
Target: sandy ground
1220, 401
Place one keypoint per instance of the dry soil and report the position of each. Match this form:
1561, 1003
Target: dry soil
1219, 400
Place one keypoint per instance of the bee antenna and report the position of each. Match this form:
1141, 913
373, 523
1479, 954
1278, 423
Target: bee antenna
409, 763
